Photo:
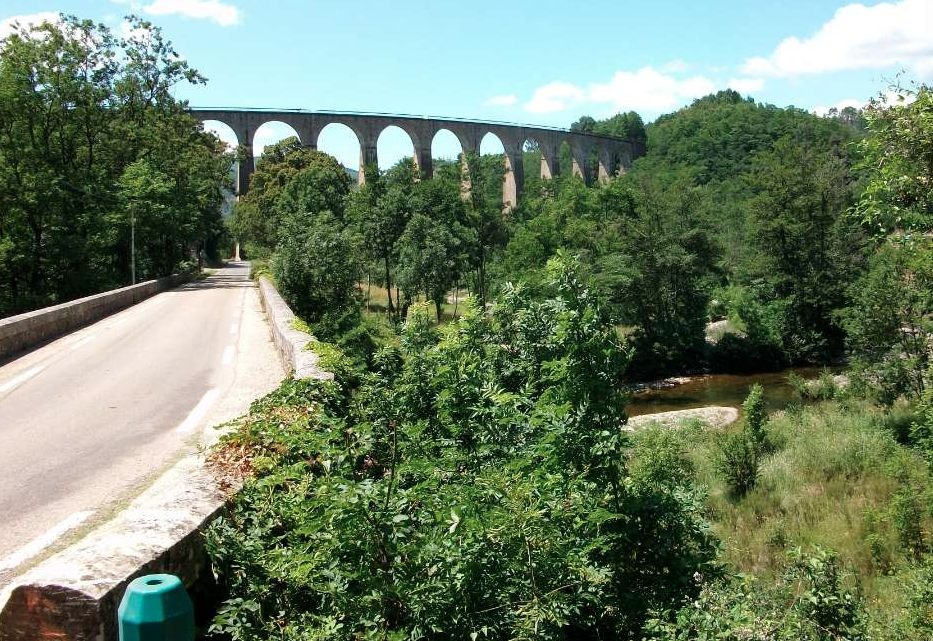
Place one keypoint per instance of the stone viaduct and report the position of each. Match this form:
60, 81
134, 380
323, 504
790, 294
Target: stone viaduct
611, 154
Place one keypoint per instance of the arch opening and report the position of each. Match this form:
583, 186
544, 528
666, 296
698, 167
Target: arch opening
271, 132
446, 153
223, 131
394, 145
341, 142
491, 145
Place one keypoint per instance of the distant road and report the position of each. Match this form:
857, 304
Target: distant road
87, 420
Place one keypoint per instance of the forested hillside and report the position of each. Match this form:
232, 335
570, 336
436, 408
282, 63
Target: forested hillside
735, 202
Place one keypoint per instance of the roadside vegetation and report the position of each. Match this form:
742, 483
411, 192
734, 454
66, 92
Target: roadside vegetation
98, 159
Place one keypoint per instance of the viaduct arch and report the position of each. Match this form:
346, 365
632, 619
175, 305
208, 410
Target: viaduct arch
613, 154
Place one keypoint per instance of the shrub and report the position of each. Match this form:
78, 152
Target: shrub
810, 602
739, 462
473, 486
756, 414
658, 459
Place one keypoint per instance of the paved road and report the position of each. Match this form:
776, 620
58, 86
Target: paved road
88, 420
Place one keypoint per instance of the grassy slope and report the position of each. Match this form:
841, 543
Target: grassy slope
837, 478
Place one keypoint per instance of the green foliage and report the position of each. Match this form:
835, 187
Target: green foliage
756, 415
659, 459
473, 487
317, 269
289, 179
804, 242
93, 140
810, 602
898, 197
757, 345
888, 322
921, 430
738, 462
332, 359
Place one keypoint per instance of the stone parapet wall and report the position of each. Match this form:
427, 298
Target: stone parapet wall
75, 594
290, 343
21, 332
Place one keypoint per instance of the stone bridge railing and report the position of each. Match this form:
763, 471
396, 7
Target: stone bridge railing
612, 155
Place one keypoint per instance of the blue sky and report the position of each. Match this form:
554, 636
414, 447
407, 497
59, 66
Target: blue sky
536, 61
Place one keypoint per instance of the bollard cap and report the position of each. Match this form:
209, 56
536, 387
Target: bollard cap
156, 607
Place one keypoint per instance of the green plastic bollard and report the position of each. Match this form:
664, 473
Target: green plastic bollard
156, 607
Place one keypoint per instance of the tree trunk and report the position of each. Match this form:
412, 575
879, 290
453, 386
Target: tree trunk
389, 283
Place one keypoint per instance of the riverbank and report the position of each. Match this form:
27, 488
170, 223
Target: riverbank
714, 416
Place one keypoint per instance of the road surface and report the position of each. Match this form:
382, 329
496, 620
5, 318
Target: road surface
89, 419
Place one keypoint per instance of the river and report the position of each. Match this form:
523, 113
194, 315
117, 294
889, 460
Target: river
720, 389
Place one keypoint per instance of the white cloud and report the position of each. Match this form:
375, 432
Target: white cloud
8, 25
858, 37
223, 14
646, 89
821, 110
501, 101
746, 85
555, 96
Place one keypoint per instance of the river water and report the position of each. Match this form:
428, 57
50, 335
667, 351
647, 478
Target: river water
720, 389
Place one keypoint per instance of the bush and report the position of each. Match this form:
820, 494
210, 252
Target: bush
659, 460
472, 486
739, 462
810, 602
756, 414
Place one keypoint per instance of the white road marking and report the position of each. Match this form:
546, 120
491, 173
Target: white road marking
197, 414
41, 542
119, 321
234, 328
22, 378
84, 341
228, 355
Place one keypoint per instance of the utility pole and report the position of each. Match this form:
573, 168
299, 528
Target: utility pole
132, 248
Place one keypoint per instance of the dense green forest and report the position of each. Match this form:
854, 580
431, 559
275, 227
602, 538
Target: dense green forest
95, 149
467, 473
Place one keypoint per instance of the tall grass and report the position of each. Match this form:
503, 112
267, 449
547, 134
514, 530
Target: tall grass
837, 477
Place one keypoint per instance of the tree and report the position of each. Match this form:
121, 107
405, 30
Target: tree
889, 322
484, 215
806, 246
258, 213
380, 210
899, 193
145, 193
78, 107
659, 268
430, 259
317, 269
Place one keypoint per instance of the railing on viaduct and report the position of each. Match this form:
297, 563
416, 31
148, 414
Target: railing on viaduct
612, 154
